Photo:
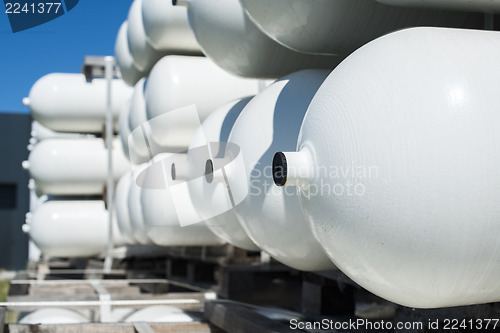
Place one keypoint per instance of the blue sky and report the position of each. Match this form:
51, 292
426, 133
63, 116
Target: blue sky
57, 46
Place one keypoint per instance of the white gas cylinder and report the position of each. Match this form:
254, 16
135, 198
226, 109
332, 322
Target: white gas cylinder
229, 37
72, 228
181, 92
74, 166
212, 200
144, 55
122, 209
68, 103
342, 26
135, 208
124, 128
161, 211
167, 28
40, 132
140, 152
398, 167
159, 314
129, 73
271, 216
51, 316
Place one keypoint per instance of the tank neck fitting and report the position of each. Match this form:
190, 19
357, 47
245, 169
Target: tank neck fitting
213, 176
179, 168
292, 168
184, 3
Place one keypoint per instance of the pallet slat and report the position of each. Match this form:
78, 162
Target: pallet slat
232, 317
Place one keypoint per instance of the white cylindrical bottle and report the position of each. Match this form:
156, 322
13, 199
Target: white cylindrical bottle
139, 150
129, 72
213, 201
161, 214
122, 208
144, 55
229, 37
68, 103
124, 128
74, 166
51, 316
342, 26
159, 314
271, 216
70, 228
400, 145
181, 92
167, 28
136, 215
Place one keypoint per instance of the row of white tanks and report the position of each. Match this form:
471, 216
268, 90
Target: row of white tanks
150, 314
385, 165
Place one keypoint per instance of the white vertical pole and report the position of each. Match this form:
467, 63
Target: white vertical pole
108, 74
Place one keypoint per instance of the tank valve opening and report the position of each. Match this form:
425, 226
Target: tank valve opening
279, 169
209, 171
172, 171
184, 3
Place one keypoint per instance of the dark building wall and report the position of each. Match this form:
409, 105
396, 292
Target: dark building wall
14, 194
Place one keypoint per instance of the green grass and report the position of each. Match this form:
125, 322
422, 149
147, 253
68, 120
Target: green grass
4, 288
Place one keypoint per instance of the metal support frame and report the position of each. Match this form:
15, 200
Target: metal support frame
94, 67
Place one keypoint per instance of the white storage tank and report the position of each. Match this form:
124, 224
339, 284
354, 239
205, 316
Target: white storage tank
183, 91
167, 28
135, 208
134, 143
399, 159
68, 103
144, 55
228, 36
124, 128
73, 228
139, 153
212, 200
129, 72
161, 214
159, 314
40, 132
342, 26
74, 166
122, 209
137, 115
272, 217
489, 6
51, 316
